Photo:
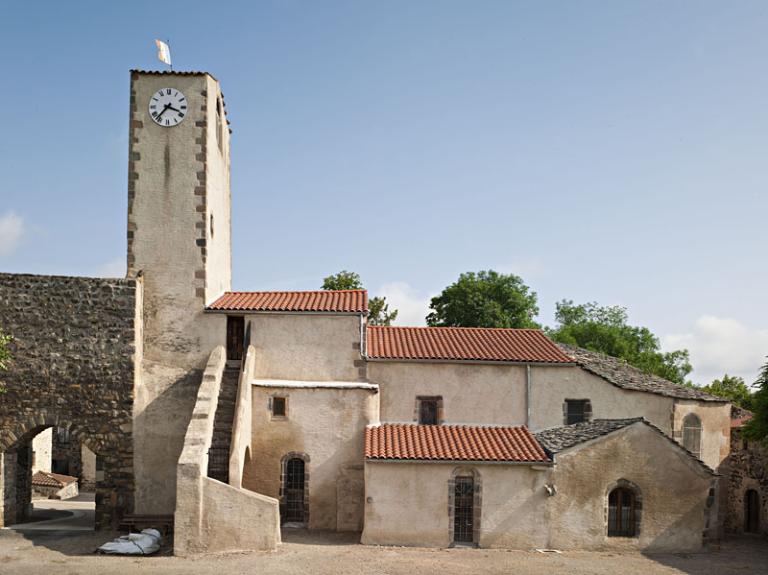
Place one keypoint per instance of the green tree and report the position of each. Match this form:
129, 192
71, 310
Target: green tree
732, 388
605, 329
378, 308
485, 299
343, 280
757, 427
5, 355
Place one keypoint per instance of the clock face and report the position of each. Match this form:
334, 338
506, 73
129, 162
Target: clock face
168, 107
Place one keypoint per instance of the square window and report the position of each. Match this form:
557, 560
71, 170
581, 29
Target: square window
577, 411
429, 410
278, 407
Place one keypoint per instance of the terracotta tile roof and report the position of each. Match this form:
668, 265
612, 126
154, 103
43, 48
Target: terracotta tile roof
339, 301
46, 479
463, 344
624, 375
452, 443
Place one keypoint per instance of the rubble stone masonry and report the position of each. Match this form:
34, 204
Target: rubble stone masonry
73, 366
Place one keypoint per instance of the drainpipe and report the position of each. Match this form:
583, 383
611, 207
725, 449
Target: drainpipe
528, 383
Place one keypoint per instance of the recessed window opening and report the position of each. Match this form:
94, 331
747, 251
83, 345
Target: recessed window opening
279, 406
621, 513
429, 411
577, 411
692, 434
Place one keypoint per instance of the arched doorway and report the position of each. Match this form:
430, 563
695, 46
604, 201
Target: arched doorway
294, 500
751, 511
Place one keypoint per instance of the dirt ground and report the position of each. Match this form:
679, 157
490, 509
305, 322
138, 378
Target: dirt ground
320, 553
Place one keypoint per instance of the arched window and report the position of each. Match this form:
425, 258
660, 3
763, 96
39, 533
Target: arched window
294, 489
622, 513
692, 434
464, 505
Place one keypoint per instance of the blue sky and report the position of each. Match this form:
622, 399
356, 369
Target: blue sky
607, 151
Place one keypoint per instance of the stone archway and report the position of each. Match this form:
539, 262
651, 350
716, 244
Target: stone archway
75, 350
114, 495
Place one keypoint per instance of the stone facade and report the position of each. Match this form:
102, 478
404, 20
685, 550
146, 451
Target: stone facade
75, 342
747, 469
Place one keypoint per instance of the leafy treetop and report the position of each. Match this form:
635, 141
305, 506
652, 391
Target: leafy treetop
732, 388
757, 427
485, 299
605, 329
378, 308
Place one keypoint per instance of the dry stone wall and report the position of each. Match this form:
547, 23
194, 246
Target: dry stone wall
747, 469
73, 366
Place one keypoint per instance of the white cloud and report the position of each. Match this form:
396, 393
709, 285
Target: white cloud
721, 345
11, 231
112, 269
412, 306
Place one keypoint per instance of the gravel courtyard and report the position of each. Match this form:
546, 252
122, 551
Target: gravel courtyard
327, 553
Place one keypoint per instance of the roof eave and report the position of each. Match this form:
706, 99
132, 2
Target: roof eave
473, 361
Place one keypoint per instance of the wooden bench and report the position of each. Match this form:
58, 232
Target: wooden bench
135, 522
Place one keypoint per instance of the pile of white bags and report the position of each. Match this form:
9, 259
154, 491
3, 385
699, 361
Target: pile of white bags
144, 543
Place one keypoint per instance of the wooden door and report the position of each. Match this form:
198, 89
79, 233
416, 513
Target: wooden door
751, 512
235, 334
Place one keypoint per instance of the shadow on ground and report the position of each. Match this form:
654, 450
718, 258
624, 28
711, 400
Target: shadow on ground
313, 537
742, 554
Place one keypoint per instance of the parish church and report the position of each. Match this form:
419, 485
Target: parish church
234, 415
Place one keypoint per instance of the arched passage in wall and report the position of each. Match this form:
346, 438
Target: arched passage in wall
17, 463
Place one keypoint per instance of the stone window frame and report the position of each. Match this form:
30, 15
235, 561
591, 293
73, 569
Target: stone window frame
587, 408
477, 502
638, 507
697, 427
440, 408
283, 471
270, 407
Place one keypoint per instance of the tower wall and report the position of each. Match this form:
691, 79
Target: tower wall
179, 242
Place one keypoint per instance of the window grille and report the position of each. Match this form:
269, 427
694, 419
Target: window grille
621, 513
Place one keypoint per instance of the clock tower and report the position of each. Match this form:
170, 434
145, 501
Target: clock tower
179, 244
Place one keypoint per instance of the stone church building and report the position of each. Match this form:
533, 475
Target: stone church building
237, 412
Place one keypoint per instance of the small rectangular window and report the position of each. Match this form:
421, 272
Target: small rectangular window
576, 411
278, 407
429, 411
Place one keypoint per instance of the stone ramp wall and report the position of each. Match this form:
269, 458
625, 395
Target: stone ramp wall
211, 515
75, 349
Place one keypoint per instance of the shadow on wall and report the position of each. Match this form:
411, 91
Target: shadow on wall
159, 439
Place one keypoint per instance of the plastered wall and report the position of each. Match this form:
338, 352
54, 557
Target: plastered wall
551, 386
310, 347
472, 393
715, 428
408, 504
327, 425
674, 489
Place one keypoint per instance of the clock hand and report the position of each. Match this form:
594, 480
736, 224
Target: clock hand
165, 109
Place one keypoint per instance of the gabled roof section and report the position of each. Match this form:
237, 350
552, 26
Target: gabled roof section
452, 443
325, 301
558, 439
621, 374
46, 479
463, 344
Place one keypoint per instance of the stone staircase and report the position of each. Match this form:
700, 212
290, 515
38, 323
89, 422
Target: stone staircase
218, 454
